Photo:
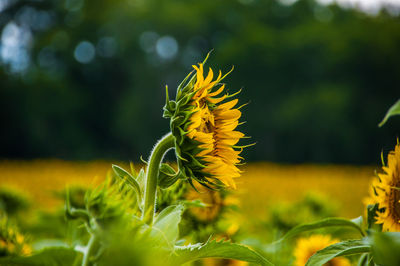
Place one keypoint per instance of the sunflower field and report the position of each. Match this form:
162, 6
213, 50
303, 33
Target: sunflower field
248, 132
184, 212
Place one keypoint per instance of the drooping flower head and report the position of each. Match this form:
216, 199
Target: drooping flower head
203, 121
308, 246
386, 193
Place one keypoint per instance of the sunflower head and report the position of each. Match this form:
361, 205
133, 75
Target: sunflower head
385, 192
203, 121
308, 246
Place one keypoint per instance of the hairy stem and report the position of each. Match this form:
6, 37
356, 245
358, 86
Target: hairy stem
163, 145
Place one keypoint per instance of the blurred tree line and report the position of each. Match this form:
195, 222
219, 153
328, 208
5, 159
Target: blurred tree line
86, 79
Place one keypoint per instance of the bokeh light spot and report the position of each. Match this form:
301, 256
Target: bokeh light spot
15, 42
167, 47
84, 52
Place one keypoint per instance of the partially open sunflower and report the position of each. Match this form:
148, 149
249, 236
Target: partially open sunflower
203, 121
386, 193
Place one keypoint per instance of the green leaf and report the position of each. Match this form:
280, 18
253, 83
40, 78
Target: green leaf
328, 222
385, 248
394, 110
50, 256
141, 179
127, 177
165, 229
345, 248
49, 243
363, 260
216, 249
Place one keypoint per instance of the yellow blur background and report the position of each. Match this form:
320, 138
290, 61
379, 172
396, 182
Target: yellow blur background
261, 185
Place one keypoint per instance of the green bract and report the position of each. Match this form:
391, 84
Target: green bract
179, 112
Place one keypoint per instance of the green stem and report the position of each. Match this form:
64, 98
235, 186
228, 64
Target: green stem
90, 249
163, 145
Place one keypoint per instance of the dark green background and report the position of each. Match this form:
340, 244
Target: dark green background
318, 79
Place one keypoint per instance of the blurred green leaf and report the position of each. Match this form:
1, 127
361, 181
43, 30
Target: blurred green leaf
49, 243
12, 201
358, 221
127, 177
394, 110
48, 257
165, 228
216, 249
329, 222
386, 248
363, 260
350, 247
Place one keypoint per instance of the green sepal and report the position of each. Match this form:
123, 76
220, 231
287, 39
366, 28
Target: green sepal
178, 153
194, 162
182, 84
180, 130
168, 112
183, 91
182, 118
394, 110
167, 176
371, 217
183, 107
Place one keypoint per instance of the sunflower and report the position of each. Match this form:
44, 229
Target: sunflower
306, 247
203, 122
386, 193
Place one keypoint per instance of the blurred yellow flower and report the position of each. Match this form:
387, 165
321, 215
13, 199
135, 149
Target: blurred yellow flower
306, 247
210, 197
386, 193
12, 242
223, 262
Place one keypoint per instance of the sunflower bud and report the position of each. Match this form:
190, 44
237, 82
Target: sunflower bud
203, 123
